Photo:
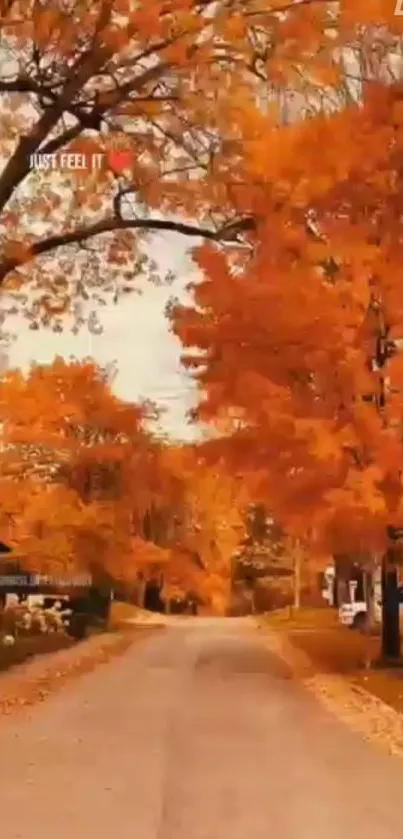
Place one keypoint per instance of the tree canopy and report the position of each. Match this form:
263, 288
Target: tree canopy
272, 134
86, 486
299, 346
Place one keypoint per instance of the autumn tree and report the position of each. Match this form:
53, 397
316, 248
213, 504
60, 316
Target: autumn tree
216, 503
110, 79
202, 508
105, 78
264, 562
86, 487
302, 398
81, 457
300, 344
283, 324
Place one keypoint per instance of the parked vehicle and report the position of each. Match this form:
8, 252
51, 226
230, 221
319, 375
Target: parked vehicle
354, 613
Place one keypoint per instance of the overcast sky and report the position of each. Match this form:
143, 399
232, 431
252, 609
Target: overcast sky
136, 334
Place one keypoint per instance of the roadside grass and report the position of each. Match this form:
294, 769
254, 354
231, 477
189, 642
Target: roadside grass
41, 677
335, 649
27, 647
120, 612
37, 667
314, 619
122, 615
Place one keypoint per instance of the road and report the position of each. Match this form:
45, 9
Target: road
197, 732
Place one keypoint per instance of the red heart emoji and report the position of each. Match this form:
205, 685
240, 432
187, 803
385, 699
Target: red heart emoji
120, 159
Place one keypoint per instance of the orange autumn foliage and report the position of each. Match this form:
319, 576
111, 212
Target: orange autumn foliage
127, 77
286, 337
86, 487
311, 184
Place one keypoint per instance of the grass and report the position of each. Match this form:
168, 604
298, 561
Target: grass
34, 645
29, 646
335, 649
120, 612
313, 619
46, 674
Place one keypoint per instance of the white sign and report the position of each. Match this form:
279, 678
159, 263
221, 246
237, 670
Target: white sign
399, 8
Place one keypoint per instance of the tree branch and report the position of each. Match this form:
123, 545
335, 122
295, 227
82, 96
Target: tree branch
62, 139
227, 233
18, 166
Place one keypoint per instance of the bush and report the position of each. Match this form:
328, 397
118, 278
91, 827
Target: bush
21, 620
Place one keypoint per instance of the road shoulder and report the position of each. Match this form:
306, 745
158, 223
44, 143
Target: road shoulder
359, 708
28, 684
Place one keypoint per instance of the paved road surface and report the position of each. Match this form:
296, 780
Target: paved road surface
196, 733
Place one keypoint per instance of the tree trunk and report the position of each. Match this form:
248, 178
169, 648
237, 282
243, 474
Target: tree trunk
369, 615
368, 585
297, 576
390, 611
252, 599
343, 594
141, 594
335, 592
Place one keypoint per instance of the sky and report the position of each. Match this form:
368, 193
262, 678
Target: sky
136, 335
